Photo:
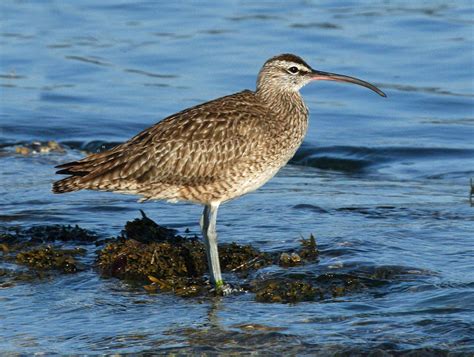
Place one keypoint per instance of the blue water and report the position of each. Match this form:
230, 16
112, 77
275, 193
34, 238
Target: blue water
380, 182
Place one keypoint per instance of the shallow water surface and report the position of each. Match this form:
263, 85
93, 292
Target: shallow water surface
383, 184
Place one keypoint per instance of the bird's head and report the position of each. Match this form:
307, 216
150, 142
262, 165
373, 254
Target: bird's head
289, 73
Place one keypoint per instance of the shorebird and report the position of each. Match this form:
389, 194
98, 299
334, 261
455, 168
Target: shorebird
213, 152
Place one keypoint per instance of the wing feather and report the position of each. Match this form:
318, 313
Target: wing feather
200, 144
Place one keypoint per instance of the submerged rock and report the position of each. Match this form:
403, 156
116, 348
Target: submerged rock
292, 288
335, 285
48, 258
27, 247
11, 277
149, 255
62, 233
289, 291
6, 241
18, 237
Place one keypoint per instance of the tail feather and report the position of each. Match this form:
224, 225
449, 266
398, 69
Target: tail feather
102, 171
69, 184
84, 171
85, 176
72, 172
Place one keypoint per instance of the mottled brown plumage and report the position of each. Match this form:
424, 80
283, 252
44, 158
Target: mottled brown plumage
212, 152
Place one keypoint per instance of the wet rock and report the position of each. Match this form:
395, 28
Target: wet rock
38, 147
292, 288
156, 258
26, 247
289, 260
235, 257
259, 327
12, 243
279, 291
4, 248
45, 234
62, 233
48, 258
309, 249
147, 251
170, 262
22, 150
132, 260
11, 277
6, 241
336, 285
150, 254
145, 230
308, 252
184, 287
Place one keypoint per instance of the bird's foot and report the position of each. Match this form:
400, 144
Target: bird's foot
225, 289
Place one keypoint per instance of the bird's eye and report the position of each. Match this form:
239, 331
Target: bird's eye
293, 69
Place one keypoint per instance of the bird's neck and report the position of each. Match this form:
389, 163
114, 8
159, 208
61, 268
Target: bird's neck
286, 105
289, 122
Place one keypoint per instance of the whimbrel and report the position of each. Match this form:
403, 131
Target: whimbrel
213, 152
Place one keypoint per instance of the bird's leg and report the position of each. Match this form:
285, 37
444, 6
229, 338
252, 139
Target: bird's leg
208, 226
201, 221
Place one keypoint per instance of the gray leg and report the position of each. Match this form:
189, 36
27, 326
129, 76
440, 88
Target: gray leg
208, 226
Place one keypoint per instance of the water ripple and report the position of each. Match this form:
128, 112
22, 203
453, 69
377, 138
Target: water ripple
91, 60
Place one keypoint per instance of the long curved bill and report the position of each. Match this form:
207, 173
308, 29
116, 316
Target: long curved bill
326, 76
